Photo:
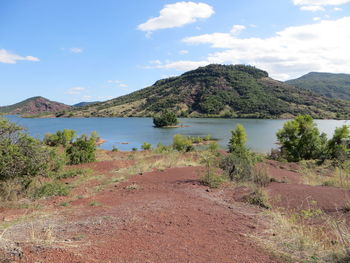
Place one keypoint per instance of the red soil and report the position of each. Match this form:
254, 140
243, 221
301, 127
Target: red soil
168, 218
297, 197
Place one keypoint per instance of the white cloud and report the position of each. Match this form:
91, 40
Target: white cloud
337, 9
294, 51
76, 50
114, 81
316, 18
312, 8
183, 52
236, 29
75, 90
123, 85
155, 62
10, 58
318, 5
177, 15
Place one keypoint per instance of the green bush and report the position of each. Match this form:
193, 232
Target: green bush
52, 189
21, 155
238, 139
146, 146
210, 177
338, 146
115, 149
82, 150
182, 143
238, 165
166, 118
300, 139
63, 138
161, 148
213, 146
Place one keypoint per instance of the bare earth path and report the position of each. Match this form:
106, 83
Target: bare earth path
156, 217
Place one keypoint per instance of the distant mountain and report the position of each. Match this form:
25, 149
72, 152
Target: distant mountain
33, 106
328, 84
219, 91
82, 104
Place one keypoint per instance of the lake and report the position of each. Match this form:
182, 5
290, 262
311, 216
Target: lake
136, 131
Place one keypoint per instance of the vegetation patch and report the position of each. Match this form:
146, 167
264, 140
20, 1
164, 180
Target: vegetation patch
52, 189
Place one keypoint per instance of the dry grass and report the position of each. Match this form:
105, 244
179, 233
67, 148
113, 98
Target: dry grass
151, 161
293, 238
339, 178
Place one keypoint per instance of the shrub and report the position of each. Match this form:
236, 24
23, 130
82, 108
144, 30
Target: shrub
52, 189
213, 146
21, 155
134, 149
238, 139
258, 197
73, 173
161, 148
260, 176
63, 138
207, 138
166, 118
181, 143
238, 165
146, 146
300, 139
115, 149
210, 178
82, 150
347, 206
338, 146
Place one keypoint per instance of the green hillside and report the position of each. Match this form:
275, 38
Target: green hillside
219, 91
328, 84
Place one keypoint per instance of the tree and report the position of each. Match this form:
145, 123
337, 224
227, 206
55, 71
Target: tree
238, 139
300, 139
338, 146
167, 118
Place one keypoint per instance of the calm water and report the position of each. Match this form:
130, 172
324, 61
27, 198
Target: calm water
135, 131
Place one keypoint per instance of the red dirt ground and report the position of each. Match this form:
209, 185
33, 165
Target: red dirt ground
168, 218
297, 197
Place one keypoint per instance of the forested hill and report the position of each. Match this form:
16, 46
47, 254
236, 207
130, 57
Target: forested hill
220, 91
328, 84
34, 105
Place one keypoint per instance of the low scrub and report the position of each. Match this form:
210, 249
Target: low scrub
238, 166
211, 176
55, 188
146, 146
23, 158
82, 150
258, 197
297, 240
182, 143
71, 173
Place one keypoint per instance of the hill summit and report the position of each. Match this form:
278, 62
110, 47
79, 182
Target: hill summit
220, 91
34, 105
328, 84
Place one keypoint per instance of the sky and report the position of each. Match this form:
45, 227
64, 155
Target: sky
92, 50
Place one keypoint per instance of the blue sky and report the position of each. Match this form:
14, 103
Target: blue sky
87, 50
